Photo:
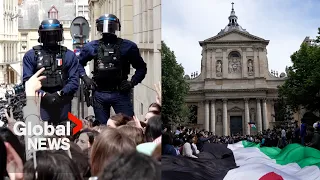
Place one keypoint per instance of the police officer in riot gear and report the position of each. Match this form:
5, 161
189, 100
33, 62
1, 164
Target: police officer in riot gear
61, 71
112, 59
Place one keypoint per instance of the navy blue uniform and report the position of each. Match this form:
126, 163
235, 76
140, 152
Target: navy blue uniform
70, 64
120, 101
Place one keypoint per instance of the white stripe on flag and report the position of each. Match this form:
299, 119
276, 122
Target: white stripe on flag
254, 164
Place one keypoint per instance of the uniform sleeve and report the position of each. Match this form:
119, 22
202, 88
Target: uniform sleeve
86, 55
72, 84
29, 67
138, 64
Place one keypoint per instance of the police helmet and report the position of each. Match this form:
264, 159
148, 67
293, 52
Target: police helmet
108, 23
50, 31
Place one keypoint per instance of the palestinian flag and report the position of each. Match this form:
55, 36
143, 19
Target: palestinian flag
252, 125
245, 161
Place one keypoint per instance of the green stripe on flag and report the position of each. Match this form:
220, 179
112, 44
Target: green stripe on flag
292, 153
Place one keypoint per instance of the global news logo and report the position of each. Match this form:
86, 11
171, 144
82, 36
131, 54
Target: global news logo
47, 136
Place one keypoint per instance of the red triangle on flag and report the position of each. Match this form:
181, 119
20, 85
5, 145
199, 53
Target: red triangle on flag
271, 176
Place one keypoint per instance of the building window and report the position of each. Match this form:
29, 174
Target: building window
53, 13
141, 108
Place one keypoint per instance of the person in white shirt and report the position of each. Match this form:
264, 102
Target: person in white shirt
283, 137
189, 147
178, 131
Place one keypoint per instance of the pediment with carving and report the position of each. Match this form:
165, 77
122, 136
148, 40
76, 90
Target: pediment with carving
234, 35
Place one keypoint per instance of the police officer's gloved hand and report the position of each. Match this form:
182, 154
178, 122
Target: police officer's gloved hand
89, 82
51, 99
126, 86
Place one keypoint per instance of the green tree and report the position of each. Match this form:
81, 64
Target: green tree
174, 88
282, 111
302, 86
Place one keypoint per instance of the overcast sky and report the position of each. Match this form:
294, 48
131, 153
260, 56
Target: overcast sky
284, 22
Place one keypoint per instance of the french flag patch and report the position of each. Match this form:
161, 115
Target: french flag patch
77, 52
59, 62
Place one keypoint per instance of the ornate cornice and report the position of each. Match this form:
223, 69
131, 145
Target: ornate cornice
212, 39
229, 90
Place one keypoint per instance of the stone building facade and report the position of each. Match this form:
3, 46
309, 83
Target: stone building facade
141, 23
235, 86
9, 62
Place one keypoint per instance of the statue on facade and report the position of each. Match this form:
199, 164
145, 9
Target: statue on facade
250, 67
234, 65
219, 67
219, 115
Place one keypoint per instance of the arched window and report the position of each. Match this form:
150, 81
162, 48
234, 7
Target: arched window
234, 54
53, 13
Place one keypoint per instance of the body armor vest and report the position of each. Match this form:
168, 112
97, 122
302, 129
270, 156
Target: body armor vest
108, 66
54, 67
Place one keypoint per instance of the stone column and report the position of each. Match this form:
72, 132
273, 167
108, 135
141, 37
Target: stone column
213, 63
261, 61
246, 116
244, 63
213, 116
208, 63
273, 118
206, 115
264, 112
255, 62
224, 63
225, 118
259, 121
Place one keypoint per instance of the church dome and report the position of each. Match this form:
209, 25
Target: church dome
233, 23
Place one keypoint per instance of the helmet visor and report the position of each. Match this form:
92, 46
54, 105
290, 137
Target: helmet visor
50, 37
110, 26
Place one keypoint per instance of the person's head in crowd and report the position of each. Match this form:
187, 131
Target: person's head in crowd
194, 138
191, 139
149, 115
134, 133
167, 138
153, 128
8, 136
3, 159
176, 142
118, 120
52, 165
131, 123
86, 138
108, 144
81, 159
132, 166
155, 107
99, 128
164, 129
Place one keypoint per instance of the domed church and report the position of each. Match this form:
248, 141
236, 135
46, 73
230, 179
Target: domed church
235, 87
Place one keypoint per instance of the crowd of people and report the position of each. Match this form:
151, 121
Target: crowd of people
123, 149
189, 141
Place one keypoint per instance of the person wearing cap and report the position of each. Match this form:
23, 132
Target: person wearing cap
61, 71
112, 58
